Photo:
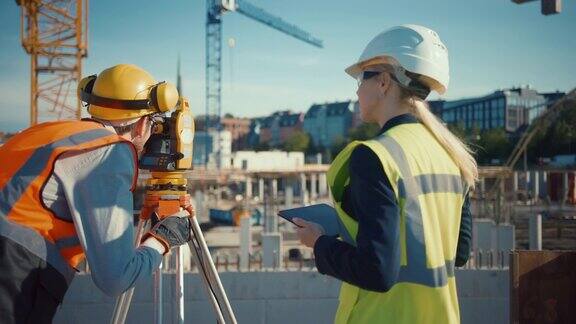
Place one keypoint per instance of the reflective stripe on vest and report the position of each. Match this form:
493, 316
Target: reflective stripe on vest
62, 249
20, 181
409, 188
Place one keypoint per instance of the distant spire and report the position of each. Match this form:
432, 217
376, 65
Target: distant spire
179, 77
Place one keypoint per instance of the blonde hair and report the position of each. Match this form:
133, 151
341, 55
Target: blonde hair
458, 150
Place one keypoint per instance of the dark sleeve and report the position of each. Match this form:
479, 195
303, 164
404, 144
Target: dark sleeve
374, 263
465, 235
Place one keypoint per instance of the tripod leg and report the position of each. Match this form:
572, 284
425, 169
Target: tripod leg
207, 287
212, 273
123, 301
179, 286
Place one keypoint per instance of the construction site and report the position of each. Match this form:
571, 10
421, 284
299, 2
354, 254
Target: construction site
246, 264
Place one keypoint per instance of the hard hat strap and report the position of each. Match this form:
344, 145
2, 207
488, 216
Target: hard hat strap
93, 99
415, 86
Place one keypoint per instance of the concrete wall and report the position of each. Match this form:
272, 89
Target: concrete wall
274, 297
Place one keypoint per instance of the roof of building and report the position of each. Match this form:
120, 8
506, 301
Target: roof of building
266, 122
285, 118
332, 109
551, 97
290, 120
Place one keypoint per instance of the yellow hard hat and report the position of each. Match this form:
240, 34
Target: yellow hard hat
126, 91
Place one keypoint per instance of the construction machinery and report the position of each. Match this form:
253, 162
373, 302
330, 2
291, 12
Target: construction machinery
215, 11
496, 192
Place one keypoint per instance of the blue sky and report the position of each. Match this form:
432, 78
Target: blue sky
492, 43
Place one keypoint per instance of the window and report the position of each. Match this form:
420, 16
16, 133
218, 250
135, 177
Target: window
484, 114
476, 112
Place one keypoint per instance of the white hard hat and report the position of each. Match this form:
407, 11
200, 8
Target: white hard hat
416, 49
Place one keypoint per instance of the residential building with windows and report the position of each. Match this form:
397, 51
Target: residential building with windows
277, 128
329, 123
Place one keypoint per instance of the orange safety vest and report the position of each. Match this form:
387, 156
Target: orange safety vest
27, 161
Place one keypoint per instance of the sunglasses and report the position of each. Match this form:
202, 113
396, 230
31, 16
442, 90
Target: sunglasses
365, 75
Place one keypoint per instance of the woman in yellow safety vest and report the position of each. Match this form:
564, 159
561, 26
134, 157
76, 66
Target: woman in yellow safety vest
402, 197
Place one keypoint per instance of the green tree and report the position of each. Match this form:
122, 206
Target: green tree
493, 144
313, 148
298, 141
555, 136
562, 132
458, 130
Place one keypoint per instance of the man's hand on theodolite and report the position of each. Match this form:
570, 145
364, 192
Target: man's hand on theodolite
171, 231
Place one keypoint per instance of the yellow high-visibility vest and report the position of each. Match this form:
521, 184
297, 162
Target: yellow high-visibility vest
430, 193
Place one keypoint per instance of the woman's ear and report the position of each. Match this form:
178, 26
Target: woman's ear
385, 82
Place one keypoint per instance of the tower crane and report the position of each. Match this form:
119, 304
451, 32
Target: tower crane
215, 11
54, 33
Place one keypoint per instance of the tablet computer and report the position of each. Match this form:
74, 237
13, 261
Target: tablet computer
322, 214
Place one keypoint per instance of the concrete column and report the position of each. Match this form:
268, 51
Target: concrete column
536, 185
201, 214
515, 182
322, 185
313, 187
271, 250
261, 189
289, 192
544, 185
535, 232
482, 202
274, 192
270, 217
483, 235
303, 189
506, 239
527, 184
245, 242
248, 188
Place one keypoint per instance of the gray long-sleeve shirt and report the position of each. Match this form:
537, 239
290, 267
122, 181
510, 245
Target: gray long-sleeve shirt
92, 189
